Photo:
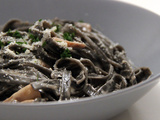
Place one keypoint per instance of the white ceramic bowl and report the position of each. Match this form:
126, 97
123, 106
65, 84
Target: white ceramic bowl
134, 28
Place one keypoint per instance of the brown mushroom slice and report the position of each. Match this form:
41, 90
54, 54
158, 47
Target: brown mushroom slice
28, 101
86, 27
72, 44
23, 94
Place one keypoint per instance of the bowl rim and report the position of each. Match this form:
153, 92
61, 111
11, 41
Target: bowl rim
153, 78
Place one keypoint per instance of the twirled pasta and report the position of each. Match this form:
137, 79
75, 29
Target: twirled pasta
54, 60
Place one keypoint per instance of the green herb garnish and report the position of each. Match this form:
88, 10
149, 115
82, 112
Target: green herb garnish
33, 38
1, 44
66, 53
37, 77
44, 44
68, 36
20, 43
29, 30
58, 28
4, 44
24, 50
40, 20
58, 41
81, 21
19, 50
17, 53
8, 42
15, 34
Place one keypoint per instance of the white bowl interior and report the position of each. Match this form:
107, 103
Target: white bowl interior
134, 28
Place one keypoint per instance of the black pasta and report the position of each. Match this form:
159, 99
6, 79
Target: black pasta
53, 60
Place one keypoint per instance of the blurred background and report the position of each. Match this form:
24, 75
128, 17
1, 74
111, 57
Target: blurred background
148, 107
152, 5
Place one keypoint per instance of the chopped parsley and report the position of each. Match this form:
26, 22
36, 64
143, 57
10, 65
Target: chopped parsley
58, 41
15, 34
29, 30
19, 50
20, 43
58, 28
8, 42
37, 77
68, 36
44, 44
33, 38
66, 53
40, 20
4, 44
24, 50
81, 21
1, 44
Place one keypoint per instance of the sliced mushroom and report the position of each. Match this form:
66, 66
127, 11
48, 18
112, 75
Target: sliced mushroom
24, 94
86, 27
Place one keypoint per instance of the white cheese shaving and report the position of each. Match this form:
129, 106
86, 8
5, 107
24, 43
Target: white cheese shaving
62, 44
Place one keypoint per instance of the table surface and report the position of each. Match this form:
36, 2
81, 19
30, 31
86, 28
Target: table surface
148, 107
